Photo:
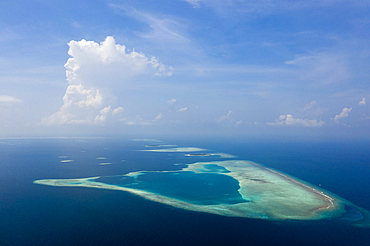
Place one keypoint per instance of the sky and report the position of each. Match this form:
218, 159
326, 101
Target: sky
253, 68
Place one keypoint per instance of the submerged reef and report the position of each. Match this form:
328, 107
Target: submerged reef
234, 188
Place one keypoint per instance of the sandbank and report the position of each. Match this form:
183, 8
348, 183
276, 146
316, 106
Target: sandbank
180, 149
221, 155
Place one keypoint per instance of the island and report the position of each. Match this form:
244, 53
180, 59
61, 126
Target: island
222, 155
180, 149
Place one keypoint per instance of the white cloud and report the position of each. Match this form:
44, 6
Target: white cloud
312, 110
363, 102
172, 101
103, 114
225, 117
310, 105
137, 120
117, 110
80, 106
162, 69
343, 114
9, 99
159, 116
182, 109
290, 120
93, 70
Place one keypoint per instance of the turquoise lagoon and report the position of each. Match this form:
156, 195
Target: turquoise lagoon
234, 188
196, 188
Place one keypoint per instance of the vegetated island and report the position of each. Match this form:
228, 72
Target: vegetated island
264, 193
222, 155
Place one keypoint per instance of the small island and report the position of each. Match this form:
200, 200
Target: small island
222, 155
198, 155
180, 149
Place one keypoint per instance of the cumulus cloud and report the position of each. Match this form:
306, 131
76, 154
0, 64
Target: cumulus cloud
159, 116
225, 117
9, 99
182, 109
312, 110
92, 71
139, 121
136, 120
172, 101
103, 114
343, 114
363, 102
161, 69
310, 105
117, 111
290, 120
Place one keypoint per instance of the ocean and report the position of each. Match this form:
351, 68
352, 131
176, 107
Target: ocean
32, 214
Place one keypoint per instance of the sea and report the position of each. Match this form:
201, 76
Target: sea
33, 214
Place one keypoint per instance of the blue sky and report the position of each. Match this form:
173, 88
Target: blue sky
185, 67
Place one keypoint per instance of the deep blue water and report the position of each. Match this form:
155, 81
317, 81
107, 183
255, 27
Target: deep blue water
33, 214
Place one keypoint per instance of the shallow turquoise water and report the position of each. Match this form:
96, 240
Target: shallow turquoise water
196, 188
214, 168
